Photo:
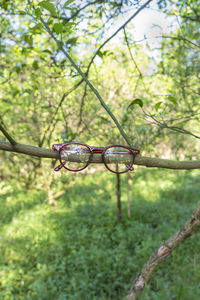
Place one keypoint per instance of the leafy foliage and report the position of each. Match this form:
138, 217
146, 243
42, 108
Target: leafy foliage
48, 6
75, 250
136, 101
78, 251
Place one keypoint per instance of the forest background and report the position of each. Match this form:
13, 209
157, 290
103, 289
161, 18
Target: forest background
60, 238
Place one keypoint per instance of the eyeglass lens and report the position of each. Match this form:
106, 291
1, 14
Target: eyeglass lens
79, 153
118, 159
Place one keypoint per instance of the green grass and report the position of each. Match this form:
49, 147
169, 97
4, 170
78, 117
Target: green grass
77, 251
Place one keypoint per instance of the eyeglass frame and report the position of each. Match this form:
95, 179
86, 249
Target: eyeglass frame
94, 150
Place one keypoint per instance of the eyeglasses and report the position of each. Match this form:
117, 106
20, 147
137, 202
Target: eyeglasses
76, 157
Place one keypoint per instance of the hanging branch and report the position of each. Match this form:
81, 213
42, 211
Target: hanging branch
9, 138
139, 160
66, 19
128, 183
82, 104
163, 251
118, 190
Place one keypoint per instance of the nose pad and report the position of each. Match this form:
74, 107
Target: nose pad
131, 168
58, 168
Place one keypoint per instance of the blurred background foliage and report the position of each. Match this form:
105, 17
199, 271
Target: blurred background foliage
154, 94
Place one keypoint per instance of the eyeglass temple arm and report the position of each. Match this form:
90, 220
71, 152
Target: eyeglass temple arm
136, 151
59, 167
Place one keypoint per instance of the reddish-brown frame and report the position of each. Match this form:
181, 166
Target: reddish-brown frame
93, 150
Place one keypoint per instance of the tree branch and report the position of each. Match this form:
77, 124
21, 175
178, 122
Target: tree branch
178, 38
132, 58
88, 82
139, 160
116, 32
173, 128
106, 41
163, 251
9, 138
85, 76
192, 18
79, 10
82, 104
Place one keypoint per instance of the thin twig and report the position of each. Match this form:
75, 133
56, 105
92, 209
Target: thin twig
118, 190
53, 122
116, 32
178, 38
128, 193
132, 58
79, 10
7, 135
82, 104
173, 128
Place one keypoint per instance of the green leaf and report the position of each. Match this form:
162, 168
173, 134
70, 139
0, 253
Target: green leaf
15, 92
58, 28
172, 99
68, 3
35, 28
104, 119
136, 101
100, 54
72, 41
17, 69
22, 12
28, 39
35, 65
69, 26
37, 12
104, 53
28, 91
157, 105
47, 51
48, 6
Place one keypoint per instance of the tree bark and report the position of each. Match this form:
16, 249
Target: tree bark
139, 160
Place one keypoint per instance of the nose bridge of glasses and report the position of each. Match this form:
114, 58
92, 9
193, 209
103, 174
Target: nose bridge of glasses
136, 151
56, 147
97, 150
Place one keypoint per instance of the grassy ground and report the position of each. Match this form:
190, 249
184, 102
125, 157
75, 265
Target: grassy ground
77, 251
